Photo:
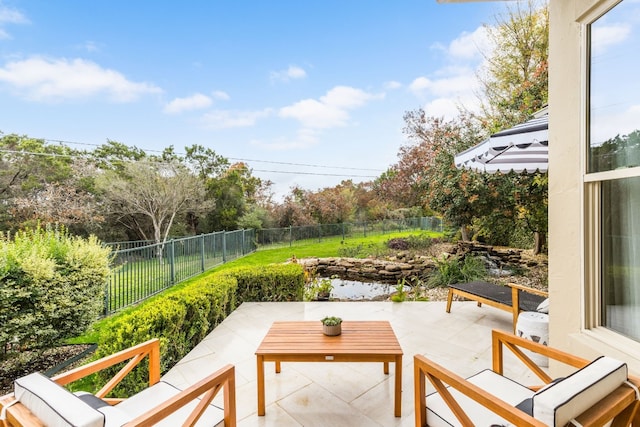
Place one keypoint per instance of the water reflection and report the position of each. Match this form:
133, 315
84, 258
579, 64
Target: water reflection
362, 291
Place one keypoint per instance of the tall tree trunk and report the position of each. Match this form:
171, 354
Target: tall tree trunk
539, 241
464, 232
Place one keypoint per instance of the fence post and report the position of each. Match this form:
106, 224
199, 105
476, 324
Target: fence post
290, 237
319, 233
202, 252
106, 297
172, 261
243, 241
343, 231
224, 246
365, 229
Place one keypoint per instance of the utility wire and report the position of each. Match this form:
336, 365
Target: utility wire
74, 156
232, 158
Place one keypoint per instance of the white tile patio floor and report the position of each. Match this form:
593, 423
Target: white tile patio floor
343, 394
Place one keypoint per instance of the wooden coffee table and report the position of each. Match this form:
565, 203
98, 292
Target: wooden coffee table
361, 341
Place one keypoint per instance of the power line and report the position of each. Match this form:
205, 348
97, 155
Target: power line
233, 158
74, 156
317, 174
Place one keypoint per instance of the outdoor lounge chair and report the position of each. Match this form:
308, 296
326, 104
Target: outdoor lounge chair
39, 401
596, 393
512, 297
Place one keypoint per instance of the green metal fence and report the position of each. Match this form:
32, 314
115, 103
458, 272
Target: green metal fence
142, 271
289, 236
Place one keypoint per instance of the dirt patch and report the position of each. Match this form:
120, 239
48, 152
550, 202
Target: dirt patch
28, 361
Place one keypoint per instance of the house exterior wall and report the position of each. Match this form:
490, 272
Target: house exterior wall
572, 287
574, 283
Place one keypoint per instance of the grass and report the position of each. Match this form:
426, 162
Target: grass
328, 247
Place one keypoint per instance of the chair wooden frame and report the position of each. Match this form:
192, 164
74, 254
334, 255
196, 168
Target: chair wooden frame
17, 415
514, 308
621, 405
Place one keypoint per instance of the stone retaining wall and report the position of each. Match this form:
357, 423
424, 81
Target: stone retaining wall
368, 269
404, 265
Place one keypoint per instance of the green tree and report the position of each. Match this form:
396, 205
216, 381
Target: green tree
236, 192
515, 85
29, 166
155, 191
515, 76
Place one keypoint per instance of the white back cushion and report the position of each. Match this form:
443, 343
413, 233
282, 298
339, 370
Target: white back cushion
559, 403
53, 404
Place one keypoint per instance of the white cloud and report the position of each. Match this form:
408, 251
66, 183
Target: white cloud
452, 85
43, 79
223, 119
293, 72
196, 101
392, 85
331, 110
10, 16
305, 138
470, 46
608, 35
90, 46
618, 122
455, 84
218, 94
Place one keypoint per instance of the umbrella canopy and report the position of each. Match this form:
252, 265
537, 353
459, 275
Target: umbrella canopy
522, 148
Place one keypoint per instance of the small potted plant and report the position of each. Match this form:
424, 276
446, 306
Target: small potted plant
324, 288
331, 326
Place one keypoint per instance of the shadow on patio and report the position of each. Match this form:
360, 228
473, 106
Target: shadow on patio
343, 394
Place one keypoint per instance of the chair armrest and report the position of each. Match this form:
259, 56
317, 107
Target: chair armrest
502, 339
529, 290
134, 354
440, 377
209, 388
17, 414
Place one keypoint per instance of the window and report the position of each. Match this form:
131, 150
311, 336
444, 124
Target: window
613, 160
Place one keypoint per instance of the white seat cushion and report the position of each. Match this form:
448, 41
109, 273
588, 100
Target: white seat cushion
543, 307
53, 404
559, 403
151, 397
439, 414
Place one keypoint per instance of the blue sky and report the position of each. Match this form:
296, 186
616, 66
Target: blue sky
311, 83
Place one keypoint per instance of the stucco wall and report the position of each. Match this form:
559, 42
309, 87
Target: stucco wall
566, 201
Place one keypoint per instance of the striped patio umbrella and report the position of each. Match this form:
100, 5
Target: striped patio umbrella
522, 148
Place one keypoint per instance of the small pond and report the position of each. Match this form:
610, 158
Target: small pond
362, 291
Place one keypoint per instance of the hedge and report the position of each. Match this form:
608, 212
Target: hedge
271, 283
182, 319
51, 286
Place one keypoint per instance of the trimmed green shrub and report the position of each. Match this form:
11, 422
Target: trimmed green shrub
278, 282
51, 286
180, 320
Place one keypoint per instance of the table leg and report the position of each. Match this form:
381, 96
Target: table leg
278, 366
398, 391
386, 368
261, 409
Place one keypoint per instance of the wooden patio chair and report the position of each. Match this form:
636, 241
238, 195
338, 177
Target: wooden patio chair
41, 401
596, 393
513, 298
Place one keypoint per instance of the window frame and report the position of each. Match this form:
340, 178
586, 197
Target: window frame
592, 299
